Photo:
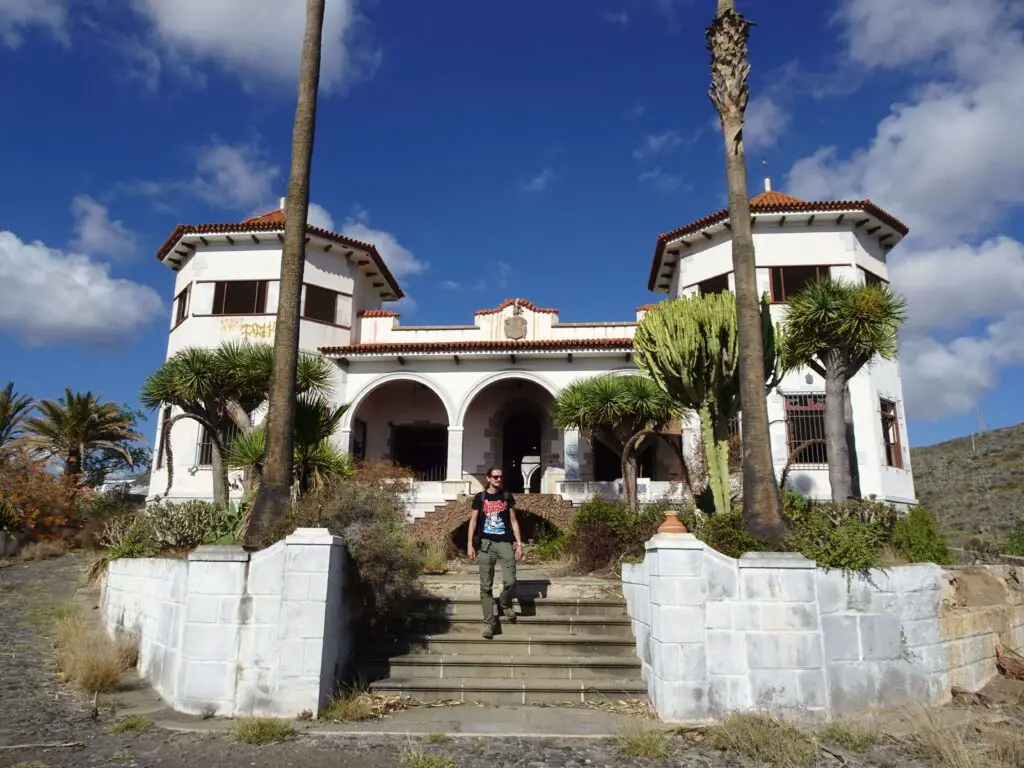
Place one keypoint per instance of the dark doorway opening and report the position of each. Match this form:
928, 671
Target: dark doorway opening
520, 436
608, 463
421, 448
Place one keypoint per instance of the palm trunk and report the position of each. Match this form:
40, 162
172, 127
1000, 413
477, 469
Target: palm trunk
629, 476
716, 453
221, 487
730, 67
274, 492
839, 476
851, 442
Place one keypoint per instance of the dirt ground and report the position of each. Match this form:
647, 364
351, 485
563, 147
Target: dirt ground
45, 724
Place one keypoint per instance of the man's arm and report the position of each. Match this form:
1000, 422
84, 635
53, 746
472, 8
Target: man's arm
472, 529
515, 532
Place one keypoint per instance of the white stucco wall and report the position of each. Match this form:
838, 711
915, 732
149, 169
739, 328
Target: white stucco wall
770, 631
226, 634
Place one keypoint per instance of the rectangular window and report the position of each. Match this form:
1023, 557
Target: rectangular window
718, 284
891, 434
181, 305
805, 427
204, 451
321, 304
165, 417
788, 281
240, 297
870, 278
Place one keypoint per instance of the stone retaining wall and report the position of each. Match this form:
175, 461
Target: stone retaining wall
773, 632
232, 634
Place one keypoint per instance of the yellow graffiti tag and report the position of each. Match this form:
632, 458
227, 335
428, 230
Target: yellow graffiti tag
248, 330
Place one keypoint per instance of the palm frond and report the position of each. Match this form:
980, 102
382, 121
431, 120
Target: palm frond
14, 409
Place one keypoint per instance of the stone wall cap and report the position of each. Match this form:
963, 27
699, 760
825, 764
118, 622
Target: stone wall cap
219, 553
775, 560
673, 541
314, 536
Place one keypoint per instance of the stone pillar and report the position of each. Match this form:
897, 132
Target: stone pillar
215, 610
677, 680
344, 440
571, 454
454, 472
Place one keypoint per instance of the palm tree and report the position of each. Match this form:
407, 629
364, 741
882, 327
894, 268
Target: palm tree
317, 460
14, 409
835, 328
689, 347
618, 411
727, 42
76, 425
220, 388
276, 486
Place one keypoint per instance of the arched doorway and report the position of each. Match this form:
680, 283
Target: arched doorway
521, 438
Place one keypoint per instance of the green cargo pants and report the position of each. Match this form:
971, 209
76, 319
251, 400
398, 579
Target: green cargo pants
491, 553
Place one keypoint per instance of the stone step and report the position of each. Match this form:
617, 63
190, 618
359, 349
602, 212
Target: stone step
491, 666
511, 692
463, 606
567, 626
469, 641
531, 585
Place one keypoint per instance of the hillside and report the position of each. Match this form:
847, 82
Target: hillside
977, 492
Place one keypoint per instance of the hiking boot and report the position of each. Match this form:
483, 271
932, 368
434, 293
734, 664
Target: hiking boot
488, 632
509, 613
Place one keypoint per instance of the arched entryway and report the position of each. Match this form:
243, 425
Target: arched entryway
403, 421
508, 424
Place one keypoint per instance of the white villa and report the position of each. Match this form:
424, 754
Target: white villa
448, 401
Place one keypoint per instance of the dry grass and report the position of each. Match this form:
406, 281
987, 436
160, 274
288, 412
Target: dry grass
435, 554
636, 741
354, 705
263, 730
976, 743
131, 724
764, 741
417, 759
43, 550
850, 735
89, 659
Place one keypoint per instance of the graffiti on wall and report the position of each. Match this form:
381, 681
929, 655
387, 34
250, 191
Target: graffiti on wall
249, 330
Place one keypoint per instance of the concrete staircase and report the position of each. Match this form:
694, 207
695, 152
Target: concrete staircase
572, 643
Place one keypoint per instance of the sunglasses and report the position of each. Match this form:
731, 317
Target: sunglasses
496, 477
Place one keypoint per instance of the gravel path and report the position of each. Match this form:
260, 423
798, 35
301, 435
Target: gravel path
35, 708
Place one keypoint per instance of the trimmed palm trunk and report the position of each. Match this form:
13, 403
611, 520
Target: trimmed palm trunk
275, 490
839, 475
727, 42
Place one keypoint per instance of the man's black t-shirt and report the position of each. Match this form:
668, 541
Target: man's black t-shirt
494, 521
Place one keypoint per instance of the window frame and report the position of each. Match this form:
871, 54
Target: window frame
204, 446
165, 418
182, 306
702, 283
262, 289
772, 283
870, 278
892, 450
305, 301
819, 451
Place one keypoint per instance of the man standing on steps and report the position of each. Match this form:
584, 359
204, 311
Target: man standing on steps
491, 541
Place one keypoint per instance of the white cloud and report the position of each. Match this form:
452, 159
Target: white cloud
665, 182
947, 159
766, 122
234, 176
539, 182
256, 40
48, 296
96, 233
454, 285
615, 17
656, 143
17, 15
400, 260
504, 273
317, 216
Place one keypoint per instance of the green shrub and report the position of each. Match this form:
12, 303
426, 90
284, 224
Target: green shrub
835, 537
549, 543
604, 533
1015, 541
725, 533
917, 537
183, 526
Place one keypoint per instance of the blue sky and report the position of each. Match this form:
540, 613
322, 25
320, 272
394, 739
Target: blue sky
495, 149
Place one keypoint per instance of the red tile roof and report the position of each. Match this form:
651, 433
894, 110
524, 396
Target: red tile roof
274, 221
646, 307
377, 313
769, 203
522, 302
398, 348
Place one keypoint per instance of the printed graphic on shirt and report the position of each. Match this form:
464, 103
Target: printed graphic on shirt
494, 525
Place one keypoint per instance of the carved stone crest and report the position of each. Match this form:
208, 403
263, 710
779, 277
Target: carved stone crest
515, 326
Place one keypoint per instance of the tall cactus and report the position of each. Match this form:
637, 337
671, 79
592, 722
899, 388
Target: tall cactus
690, 347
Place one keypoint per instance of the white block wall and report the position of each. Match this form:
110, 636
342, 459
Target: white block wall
772, 632
225, 633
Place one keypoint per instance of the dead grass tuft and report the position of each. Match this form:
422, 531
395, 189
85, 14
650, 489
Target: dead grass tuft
263, 731
354, 706
850, 735
764, 741
89, 659
972, 744
637, 741
131, 724
417, 759
43, 550
435, 554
